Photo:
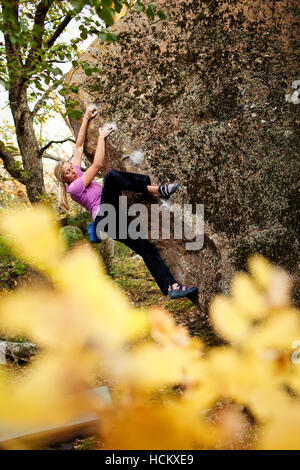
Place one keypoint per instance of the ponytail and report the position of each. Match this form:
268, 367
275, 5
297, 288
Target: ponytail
62, 185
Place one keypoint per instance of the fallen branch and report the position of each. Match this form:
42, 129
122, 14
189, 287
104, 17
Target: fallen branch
21, 351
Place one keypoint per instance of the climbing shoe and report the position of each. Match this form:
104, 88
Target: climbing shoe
181, 291
166, 190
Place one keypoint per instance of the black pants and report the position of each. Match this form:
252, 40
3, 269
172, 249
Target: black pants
114, 182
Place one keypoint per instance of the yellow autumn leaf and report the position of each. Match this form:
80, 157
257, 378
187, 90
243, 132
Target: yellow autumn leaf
228, 320
52, 392
279, 289
168, 427
260, 268
161, 325
282, 430
164, 330
87, 329
238, 376
247, 297
149, 366
106, 308
293, 378
276, 333
33, 236
51, 320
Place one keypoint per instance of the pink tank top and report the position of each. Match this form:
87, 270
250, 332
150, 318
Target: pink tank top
89, 197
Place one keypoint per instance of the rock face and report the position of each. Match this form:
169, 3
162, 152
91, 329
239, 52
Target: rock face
200, 99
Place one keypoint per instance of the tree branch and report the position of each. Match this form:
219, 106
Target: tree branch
61, 110
40, 102
45, 155
39, 23
56, 61
10, 164
43, 149
50, 21
10, 14
59, 30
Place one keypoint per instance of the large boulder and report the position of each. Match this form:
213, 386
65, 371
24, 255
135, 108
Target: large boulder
204, 99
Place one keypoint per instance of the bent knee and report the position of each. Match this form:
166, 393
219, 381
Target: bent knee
111, 174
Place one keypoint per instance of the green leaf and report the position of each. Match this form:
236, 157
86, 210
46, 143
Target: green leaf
103, 36
111, 37
13, 39
56, 71
87, 69
162, 15
74, 114
78, 4
55, 83
108, 37
37, 29
139, 7
106, 14
38, 85
64, 91
24, 26
150, 14
118, 5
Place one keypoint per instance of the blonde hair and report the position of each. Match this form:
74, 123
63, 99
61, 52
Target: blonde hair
63, 191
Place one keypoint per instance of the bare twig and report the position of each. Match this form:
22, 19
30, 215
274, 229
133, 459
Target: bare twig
56, 61
43, 149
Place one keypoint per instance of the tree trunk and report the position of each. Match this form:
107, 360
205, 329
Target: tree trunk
32, 162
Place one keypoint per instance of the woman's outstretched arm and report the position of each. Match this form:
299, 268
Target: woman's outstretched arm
99, 162
90, 113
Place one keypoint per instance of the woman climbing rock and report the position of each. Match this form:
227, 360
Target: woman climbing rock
91, 195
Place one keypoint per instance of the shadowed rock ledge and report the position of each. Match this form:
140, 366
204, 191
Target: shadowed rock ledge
201, 99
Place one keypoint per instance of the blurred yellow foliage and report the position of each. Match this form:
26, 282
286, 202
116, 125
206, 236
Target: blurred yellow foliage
168, 391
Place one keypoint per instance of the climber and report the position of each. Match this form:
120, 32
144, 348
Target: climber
90, 194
